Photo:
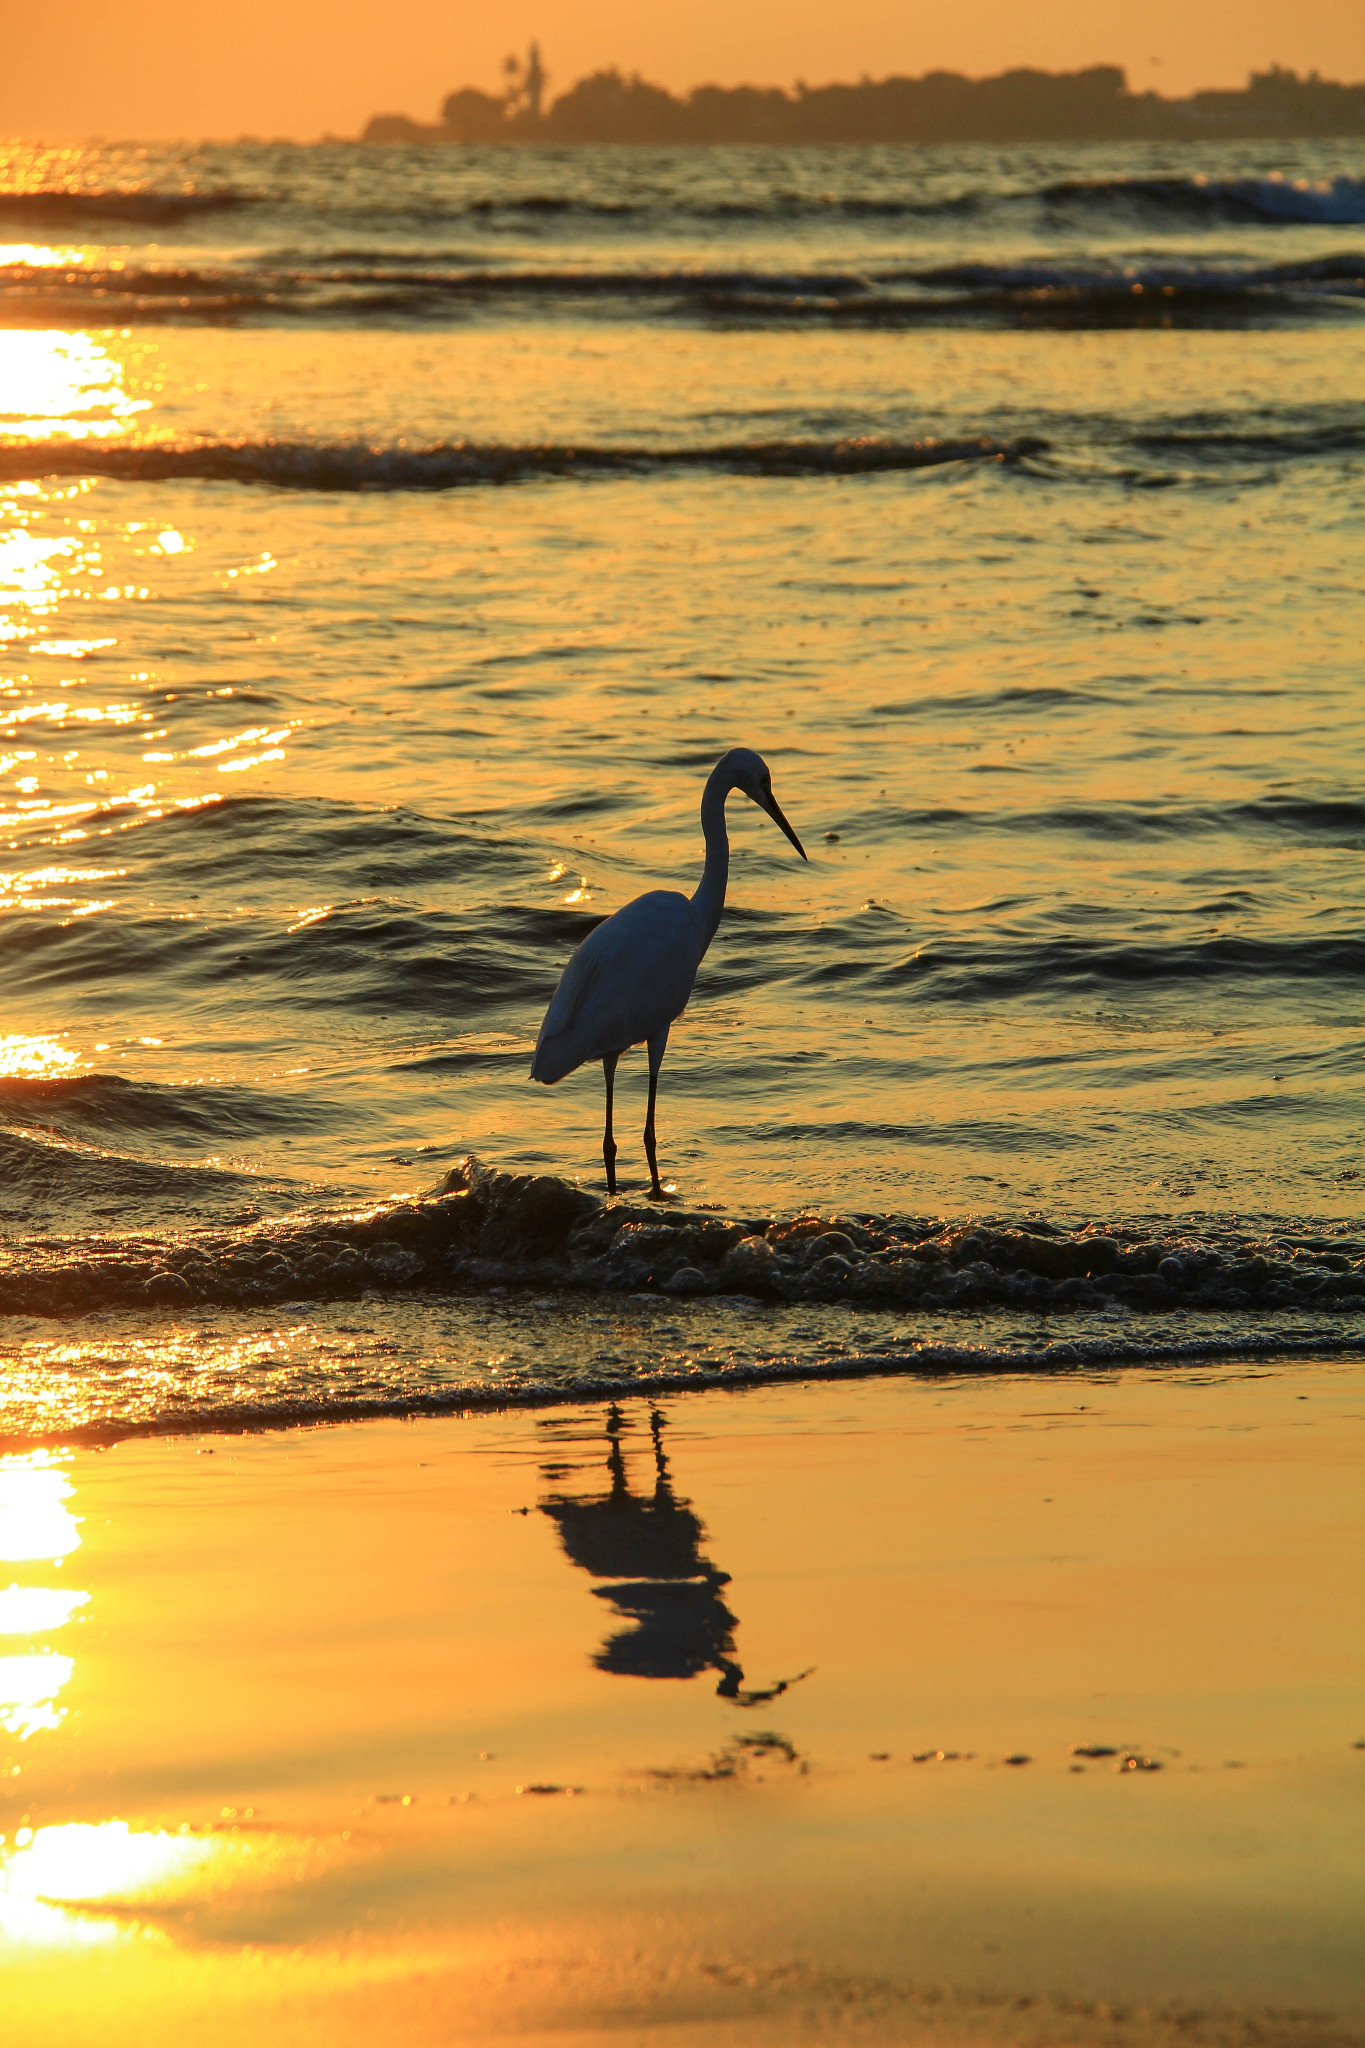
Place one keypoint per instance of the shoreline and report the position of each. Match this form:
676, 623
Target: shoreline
930, 1363
502, 1290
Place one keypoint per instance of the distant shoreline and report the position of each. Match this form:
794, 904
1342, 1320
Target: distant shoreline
1021, 106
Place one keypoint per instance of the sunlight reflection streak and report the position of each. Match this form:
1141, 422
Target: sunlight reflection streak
62, 385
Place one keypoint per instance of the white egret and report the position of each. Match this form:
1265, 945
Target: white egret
631, 977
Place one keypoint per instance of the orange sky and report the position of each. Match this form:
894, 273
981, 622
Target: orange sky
301, 67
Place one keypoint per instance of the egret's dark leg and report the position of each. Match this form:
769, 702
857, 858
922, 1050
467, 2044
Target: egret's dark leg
616, 1463
609, 1060
656, 1431
656, 1060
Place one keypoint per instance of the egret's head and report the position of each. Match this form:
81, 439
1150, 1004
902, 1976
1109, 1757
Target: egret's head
749, 772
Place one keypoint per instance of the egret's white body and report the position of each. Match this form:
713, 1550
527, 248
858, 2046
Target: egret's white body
632, 975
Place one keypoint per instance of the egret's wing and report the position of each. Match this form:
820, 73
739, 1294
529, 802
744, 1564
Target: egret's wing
630, 977
575, 986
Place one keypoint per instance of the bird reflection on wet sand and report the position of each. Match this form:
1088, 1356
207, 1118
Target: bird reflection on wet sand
648, 1546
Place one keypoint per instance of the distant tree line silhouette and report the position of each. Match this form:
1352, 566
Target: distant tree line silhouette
1094, 105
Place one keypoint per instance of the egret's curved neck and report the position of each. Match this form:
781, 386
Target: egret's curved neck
709, 900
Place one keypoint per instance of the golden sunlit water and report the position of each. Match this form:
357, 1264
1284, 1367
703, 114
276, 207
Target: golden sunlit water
904, 1585
384, 568
386, 564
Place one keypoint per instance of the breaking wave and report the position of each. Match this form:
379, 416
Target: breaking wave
483, 1229
1167, 451
59, 208
374, 286
1270, 199
358, 466
1335, 202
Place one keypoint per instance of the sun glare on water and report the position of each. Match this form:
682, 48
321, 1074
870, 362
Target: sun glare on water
37, 1059
80, 1883
48, 1871
29, 1687
32, 1610
56, 385
35, 1521
40, 256
35, 1524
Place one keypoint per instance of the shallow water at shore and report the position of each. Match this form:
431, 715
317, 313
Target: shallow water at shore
498, 1290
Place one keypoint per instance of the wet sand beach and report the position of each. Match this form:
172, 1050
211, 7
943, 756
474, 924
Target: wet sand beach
998, 1709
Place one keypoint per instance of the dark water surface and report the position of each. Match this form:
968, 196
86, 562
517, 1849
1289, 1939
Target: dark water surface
389, 543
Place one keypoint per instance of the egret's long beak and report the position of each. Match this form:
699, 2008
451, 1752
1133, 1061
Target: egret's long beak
770, 804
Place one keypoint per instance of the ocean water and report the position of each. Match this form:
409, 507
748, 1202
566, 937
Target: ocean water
390, 542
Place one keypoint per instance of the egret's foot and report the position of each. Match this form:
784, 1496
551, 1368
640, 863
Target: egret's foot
663, 1191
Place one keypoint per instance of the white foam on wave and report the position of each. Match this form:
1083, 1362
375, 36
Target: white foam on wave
1335, 202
